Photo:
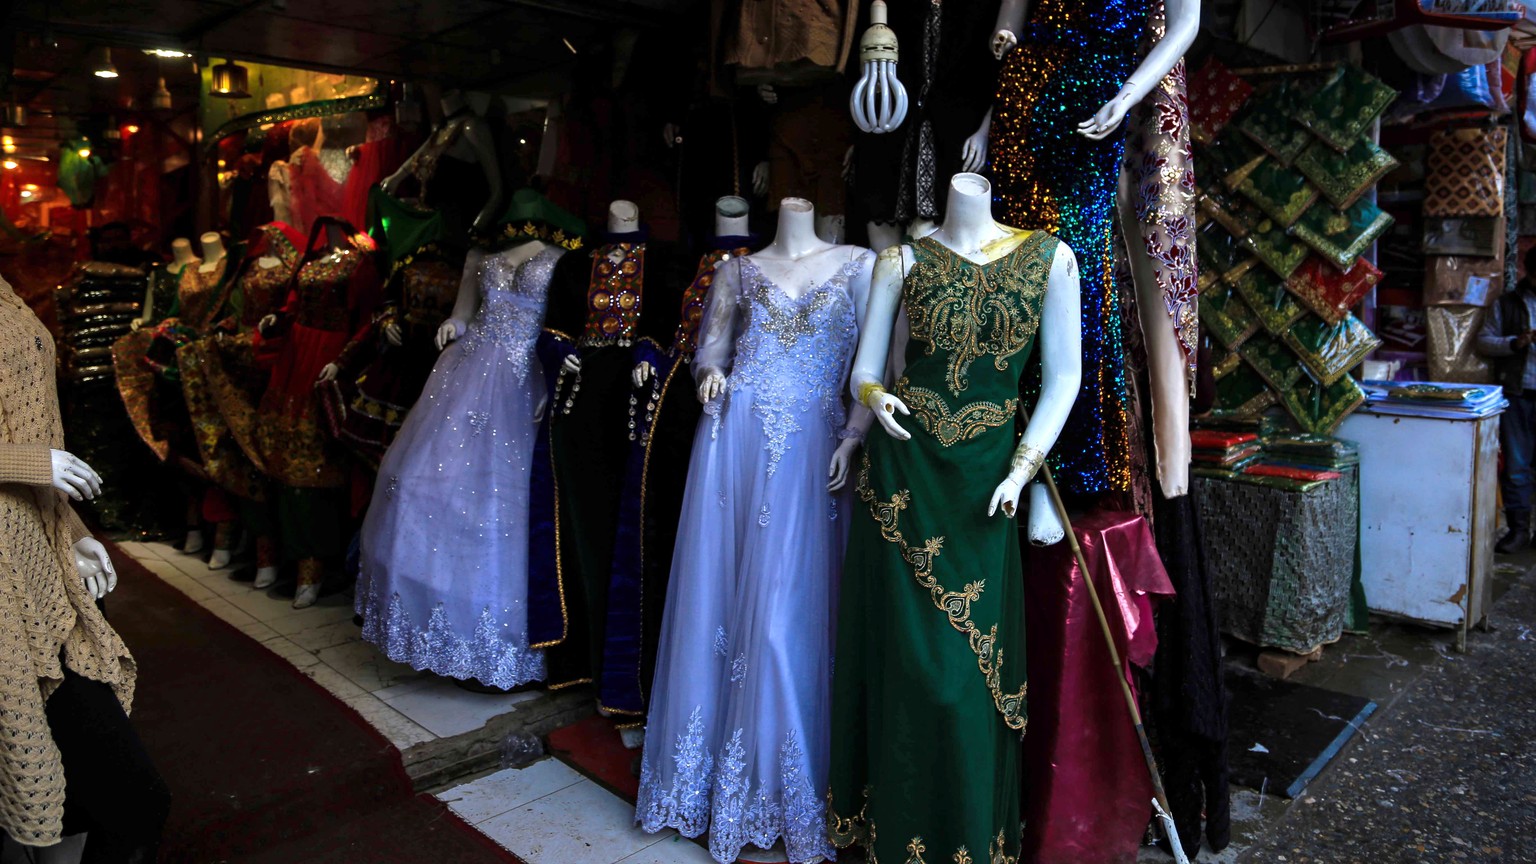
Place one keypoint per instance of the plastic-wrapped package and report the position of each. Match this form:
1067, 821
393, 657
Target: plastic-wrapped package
1458, 280
1452, 342
1479, 236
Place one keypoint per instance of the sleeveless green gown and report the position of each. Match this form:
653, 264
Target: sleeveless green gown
929, 687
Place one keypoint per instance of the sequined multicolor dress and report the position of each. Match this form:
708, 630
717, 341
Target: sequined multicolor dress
736, 739
1072, 58
929, 694
443, 583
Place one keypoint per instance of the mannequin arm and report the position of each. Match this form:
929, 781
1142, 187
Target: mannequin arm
1010, 20
465, 304
1061, 365
860, 418
973, 154
479, 138
867, 381
717, 332
1183, 24
392, 183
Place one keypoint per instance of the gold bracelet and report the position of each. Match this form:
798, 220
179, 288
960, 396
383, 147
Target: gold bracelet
1027, 457
868, 389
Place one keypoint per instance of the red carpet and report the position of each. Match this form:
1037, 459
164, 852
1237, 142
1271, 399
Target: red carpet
264, 764
593, 747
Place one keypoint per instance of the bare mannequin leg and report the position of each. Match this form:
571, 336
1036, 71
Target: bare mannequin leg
1165, 359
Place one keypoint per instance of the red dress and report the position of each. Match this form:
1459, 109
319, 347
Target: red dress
326, 319
312, 192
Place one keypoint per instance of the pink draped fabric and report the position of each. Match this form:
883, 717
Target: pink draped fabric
1088, 796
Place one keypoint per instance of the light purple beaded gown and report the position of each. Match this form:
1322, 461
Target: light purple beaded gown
443, 584
737, 741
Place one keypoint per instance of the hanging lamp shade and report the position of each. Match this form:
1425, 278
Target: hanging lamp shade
231, 81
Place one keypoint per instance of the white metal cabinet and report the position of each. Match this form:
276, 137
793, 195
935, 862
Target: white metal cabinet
1428, 514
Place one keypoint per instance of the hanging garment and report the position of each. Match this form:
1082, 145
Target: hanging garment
148, 376
929, 692
666, 412
220, 374
736, 740
366, 403
326, 318
443, 582
312, 191
601, 304
1072, 58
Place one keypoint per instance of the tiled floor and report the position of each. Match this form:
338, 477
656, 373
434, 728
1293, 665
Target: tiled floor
545, 813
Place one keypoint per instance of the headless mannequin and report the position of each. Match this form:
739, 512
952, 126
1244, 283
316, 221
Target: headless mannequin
797, 261
182, 257
1165, 358
277, 192
731, 216
970, 231
181, 253
623, 218
467, 303
213, 251
471, 143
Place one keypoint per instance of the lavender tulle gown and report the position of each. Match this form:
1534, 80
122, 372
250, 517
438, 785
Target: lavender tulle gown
443, 584
737, 741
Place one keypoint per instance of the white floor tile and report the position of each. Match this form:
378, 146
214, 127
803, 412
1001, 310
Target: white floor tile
228, 612
325, 635
447, 709
366, 667
495, 794
399, 729
168, 574
263, 605
404, 687
672, 850
318, 615
581, 823
300, 658
218, 582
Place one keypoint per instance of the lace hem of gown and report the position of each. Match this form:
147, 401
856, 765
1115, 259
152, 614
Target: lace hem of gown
705, 796
483, 655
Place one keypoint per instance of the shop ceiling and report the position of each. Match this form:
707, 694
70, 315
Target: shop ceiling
507, 45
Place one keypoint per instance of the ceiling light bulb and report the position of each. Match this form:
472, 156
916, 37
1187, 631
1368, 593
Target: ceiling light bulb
84, 152
10, 164
104, 67
26, 193
132, 129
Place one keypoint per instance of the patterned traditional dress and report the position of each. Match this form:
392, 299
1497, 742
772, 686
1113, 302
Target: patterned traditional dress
929, 694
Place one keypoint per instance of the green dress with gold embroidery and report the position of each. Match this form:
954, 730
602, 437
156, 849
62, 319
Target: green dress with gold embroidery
929, 691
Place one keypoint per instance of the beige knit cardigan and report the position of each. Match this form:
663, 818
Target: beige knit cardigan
47, 618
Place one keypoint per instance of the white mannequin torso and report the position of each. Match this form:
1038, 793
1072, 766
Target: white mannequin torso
970, 231
213, 252
181, 252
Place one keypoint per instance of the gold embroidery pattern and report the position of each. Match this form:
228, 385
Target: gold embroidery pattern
854, 829
951, 427
975, 310
954, 604
995, 855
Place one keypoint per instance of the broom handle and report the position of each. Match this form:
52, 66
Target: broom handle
1109, 640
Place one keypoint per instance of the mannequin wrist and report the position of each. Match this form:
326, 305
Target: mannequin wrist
868, 391
1026, 463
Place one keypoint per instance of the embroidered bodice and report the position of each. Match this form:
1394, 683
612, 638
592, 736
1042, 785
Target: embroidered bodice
972, 326
792, 354
200, 294
261, 287
686, 340
322, 286
614, 294
512, 297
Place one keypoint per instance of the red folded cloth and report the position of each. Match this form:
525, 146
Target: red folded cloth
1216, 439
1289, 473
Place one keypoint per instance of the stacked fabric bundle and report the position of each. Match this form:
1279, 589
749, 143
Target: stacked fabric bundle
1285, 219
1222, 453
1425, 399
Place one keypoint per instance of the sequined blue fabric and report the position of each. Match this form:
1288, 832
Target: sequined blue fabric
1071, 60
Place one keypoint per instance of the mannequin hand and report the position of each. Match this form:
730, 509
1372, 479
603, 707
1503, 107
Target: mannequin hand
766, 93
973, 154
1045, 528
671, 133
393, 181
837, 473
1006, 496
136, 323
95, 567
760, 179
1003, 41
328, 373
1101, 125
73, 477
710, 387
266, 323
392, 334
447, 332
538, 410
642, 373
885, 407
571, 364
